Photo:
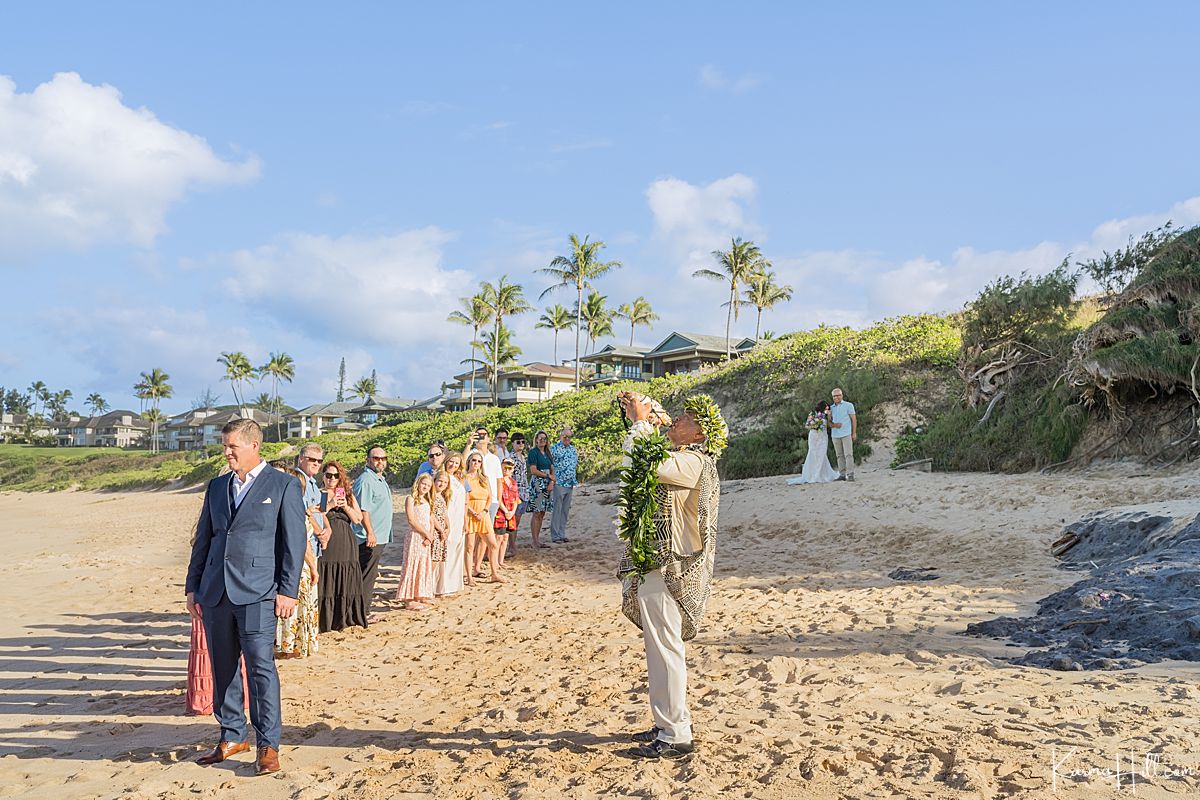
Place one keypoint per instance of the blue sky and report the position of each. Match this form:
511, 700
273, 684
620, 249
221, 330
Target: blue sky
176, 182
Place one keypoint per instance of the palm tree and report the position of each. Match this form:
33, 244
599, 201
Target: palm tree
638, 312
155, 418
281, 367
97, 403
764, 293
264, 401
596, 317
475, 314
504, 352
556, 319
577, 271
503, 299
154, 387
364, 387
237, 371
737, 265
58, 403
39, 393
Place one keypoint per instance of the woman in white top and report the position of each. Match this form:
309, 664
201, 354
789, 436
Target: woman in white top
448, 577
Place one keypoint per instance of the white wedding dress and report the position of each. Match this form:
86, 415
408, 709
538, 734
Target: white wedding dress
817, 468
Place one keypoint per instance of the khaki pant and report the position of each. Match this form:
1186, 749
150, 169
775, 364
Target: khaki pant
844, 447
666, 667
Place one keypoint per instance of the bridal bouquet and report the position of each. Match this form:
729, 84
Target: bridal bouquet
817, 421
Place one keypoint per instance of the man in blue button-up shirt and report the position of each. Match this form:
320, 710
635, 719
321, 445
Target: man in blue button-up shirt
309, 462
566, 461
374, 497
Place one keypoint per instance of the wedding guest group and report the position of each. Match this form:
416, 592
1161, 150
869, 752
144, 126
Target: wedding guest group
285, 553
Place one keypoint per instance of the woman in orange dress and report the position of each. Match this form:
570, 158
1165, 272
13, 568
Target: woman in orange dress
478, 526
480, 534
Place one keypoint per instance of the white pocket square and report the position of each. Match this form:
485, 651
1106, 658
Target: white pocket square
267, 500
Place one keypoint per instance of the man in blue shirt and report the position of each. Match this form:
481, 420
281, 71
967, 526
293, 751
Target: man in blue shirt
844, 431
434, 458
566, 461
374, 497
309, 462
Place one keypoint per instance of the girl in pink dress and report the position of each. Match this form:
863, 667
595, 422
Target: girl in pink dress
416, 582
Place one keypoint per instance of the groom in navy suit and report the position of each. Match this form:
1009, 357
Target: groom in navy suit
245, 572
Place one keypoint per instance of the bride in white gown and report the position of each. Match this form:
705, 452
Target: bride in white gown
817, 468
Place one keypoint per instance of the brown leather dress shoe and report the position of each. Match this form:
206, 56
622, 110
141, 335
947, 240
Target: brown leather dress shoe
268, 761
223, 751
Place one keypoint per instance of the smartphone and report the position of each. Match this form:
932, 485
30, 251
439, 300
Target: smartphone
340, 493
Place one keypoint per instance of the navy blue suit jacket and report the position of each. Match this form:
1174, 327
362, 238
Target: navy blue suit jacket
256, 553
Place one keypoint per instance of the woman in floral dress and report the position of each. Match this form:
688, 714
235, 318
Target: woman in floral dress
416, 582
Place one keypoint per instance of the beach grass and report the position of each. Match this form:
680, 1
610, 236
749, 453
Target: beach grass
31, 469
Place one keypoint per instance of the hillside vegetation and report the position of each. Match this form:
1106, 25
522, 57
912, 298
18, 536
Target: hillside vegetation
1027, 376
761, 393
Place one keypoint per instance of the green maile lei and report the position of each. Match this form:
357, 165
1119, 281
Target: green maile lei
637, 501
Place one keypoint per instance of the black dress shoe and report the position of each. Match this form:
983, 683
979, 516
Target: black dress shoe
646, 737
670, 751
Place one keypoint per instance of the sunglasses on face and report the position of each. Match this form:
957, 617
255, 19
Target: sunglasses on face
310, 458
434, 454
378, 458
332, 476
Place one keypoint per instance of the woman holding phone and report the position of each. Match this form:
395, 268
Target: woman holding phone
341, 586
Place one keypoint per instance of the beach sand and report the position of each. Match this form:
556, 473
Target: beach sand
815, 675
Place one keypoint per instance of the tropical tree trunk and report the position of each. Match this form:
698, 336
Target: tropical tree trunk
758, 325
578, 324
729, 322
474, 338
631, 329
496, 365
556, 347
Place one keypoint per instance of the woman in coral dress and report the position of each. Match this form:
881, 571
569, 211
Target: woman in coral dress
479, 521
448, 574
475, 519
416, 581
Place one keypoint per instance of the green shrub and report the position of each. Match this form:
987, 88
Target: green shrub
1035, 426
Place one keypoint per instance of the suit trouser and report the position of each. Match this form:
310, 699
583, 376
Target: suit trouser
368, 560
235, 631
562, 509
844, 447
666, 665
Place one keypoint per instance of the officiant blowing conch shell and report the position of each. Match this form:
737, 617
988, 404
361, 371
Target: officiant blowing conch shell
668, 518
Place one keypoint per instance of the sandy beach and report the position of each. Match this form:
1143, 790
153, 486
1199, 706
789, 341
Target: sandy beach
816, 675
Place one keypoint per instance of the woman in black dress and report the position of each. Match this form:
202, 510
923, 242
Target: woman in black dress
341, 587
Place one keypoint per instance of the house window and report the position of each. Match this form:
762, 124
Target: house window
630, 371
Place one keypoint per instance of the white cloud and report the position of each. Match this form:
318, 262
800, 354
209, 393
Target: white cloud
79, 167
694, 220
712, 78
113, 343
390, 293
939, 285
